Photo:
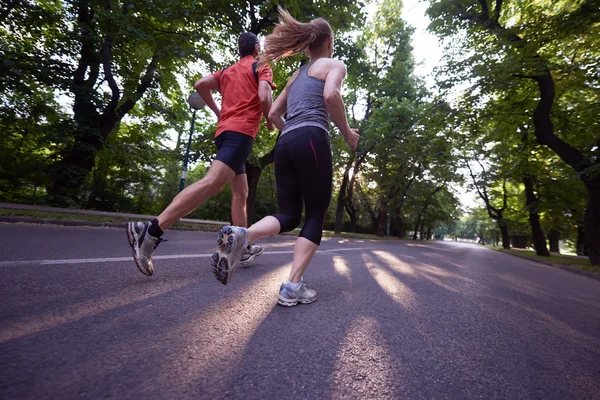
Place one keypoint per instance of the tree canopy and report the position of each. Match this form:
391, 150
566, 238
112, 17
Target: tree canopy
93, 112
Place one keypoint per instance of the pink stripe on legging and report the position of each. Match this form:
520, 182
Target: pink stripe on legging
314, 152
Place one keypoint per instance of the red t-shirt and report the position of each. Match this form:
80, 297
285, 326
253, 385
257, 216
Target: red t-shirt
240, 108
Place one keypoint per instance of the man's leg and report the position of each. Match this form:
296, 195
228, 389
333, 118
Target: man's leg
143, 237
194, 195
233, 240
239, 191
239, 215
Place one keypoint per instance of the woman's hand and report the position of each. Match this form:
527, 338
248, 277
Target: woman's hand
352, 138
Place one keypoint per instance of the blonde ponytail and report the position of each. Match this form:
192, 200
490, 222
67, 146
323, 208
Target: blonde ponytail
291, 37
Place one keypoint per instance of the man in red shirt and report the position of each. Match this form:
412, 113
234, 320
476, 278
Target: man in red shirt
246, 96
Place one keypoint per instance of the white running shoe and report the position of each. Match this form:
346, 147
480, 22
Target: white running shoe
252, 251
232, 244
290, 297
142, 245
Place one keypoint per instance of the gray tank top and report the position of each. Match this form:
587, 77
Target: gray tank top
305, 102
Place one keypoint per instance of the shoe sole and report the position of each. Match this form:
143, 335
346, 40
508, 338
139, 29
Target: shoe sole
225, 242
220, 267
132, 238
221, 261
282, 301
249, 260
220, 241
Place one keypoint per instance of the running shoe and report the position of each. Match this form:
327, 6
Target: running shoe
290, 297
142, 245
232, 244
252, 251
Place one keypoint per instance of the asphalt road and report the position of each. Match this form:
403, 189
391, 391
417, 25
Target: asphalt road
393, 320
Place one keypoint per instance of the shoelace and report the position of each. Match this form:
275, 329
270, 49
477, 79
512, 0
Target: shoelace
160, 240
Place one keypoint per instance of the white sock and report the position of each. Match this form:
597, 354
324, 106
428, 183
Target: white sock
246, 238
293, 285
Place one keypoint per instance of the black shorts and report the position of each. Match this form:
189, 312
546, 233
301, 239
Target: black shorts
234, 149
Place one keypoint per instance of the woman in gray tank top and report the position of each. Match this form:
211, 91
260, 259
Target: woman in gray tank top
303, 165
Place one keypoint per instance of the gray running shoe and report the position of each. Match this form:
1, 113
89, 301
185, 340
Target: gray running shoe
142, 245
252, 251
290, 297
232, 244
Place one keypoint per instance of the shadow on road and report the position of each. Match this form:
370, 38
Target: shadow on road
396, 321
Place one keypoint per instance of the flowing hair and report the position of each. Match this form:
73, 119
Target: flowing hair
291, 37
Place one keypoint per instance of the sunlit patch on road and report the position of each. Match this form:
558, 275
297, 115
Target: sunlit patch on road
391, 285
394, 262
341, 267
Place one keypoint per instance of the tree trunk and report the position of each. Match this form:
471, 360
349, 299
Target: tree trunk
253, 174
70, 174
381, 223
341, 200
350, 209
374, 223
428, 234
417, 227
592, 221
553, 239
353, 222
580, 244
401, 227
539, 239
504, 231
419, 217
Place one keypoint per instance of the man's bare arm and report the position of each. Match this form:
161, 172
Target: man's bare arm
203, 87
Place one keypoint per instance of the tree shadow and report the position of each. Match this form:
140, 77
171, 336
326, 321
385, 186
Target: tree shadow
116, 350
526, 329
387, 324
312, 351
453, 337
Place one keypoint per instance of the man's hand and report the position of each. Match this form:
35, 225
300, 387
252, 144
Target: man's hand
271, 127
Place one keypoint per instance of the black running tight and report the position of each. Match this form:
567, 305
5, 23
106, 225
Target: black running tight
303, 172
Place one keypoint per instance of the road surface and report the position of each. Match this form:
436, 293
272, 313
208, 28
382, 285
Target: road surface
394, 319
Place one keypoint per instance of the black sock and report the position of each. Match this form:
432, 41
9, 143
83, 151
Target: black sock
154, 229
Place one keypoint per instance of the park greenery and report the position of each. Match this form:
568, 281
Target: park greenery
93, 113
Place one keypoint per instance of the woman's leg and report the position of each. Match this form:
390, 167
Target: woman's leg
313, 164
266, 227
304, 250
289, 199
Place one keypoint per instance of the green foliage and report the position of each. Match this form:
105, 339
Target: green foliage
497, 55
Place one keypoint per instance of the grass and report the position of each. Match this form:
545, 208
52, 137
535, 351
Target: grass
58, 216
7, 212
571, 261
348, 235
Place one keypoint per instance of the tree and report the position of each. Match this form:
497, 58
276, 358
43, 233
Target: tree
495, 200
380, 80
105, 56
516, 42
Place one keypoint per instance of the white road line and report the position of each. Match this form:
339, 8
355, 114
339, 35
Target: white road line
165, 257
